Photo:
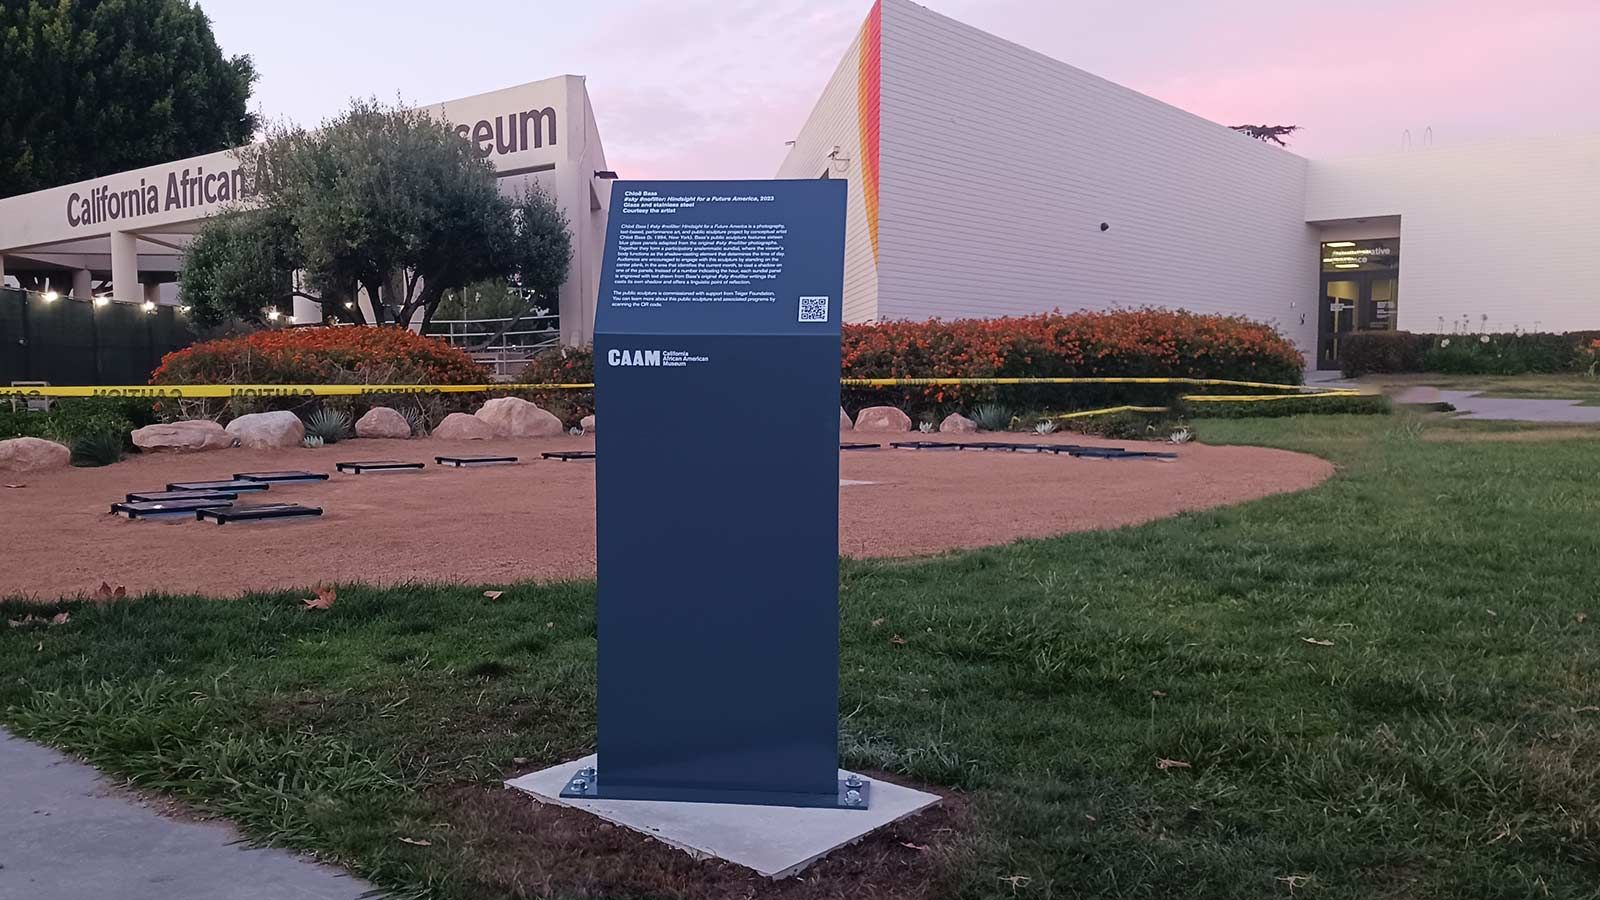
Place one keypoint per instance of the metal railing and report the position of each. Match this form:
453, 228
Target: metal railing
507, 355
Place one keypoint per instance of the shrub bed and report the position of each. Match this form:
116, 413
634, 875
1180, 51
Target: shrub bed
1130, 343
347, 355
97, 429
1469, 354
1138, 343
569, 365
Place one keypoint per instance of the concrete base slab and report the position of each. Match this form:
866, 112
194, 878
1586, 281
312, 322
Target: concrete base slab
776, 841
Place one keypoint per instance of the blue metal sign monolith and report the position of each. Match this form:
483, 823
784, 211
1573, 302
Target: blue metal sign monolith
717, 493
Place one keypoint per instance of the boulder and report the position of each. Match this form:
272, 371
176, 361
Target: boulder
382, 422
883, 419
587, 424
463, 427
188, 436
516, 417
956, 423
844, 420
29, 454
268, 430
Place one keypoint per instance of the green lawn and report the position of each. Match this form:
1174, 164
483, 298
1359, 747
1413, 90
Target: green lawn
1388, 686
1549, 387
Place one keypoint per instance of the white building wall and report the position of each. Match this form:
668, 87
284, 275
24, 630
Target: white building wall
999, 164
835, 123
1507, 229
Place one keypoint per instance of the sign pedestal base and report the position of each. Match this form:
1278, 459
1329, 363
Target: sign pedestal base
854, 792
775, 841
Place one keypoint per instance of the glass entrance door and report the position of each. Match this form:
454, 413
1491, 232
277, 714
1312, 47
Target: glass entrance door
1341, 299
1360, 292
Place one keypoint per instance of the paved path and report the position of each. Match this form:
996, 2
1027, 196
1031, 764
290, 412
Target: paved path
66, 834
1469, 405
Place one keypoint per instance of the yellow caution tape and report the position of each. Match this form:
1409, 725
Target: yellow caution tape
253, 391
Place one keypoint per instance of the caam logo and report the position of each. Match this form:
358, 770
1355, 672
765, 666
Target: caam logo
616, 357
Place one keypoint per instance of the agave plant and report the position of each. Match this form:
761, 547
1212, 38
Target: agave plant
992, 417
927, 426
328, 424
414, 418
1046, 426
100, 447
1180, 435
311, 442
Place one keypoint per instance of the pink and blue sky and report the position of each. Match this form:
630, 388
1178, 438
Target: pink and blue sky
713, 88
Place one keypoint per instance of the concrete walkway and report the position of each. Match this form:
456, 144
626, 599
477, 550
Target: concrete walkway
67, 834
1469, 405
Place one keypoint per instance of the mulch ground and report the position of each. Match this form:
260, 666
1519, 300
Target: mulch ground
535, 521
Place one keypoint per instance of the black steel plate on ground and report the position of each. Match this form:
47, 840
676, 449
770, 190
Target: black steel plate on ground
854, 792
235, 485
138, 509
261, 512
281, 477
1118, 453
1008, 446
158, 496
860, 446
460, 461
568, 455
923, 445
377, 465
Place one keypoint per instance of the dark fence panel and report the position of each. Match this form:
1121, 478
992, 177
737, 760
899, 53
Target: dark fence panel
75, 342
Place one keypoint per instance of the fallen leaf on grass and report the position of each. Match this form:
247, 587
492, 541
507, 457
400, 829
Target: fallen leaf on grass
493, 595
416, 842
31, 620
876, 622
323, 600
920, 848
1492, 613
897, 640
107, 592
1582, 617
1165, 764
1294, 881
1158, 694
1586, 709
1016, 881
1317, 642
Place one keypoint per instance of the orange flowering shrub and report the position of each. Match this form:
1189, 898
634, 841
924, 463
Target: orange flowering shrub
1149, 343
346, 355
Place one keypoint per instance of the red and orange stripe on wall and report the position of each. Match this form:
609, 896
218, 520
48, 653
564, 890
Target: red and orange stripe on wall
867, 103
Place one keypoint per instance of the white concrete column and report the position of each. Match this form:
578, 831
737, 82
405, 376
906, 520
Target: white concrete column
2, 270
152, 293
82, 284
125, 267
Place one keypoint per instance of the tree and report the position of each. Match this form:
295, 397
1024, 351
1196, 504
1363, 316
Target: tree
1264, 133
382, 200
92, 87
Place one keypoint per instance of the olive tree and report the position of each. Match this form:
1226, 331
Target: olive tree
381, 200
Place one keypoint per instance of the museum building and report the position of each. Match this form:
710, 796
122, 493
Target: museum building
989, 179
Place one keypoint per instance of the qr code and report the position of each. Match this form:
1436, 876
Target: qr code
813, 309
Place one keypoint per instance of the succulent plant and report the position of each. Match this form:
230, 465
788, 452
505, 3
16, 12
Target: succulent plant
100, 447
1046, 426
992, 417
328, 424
311, 442
414, 418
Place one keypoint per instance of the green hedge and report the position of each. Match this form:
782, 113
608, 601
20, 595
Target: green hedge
1382, 352
1366, 404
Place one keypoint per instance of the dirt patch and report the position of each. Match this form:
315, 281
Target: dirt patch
512, 846
535, 521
